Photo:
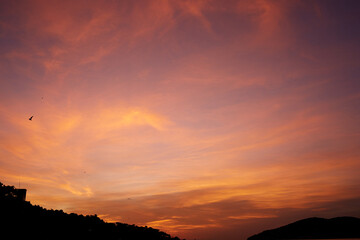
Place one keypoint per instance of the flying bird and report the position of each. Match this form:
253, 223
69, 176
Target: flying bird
31, 118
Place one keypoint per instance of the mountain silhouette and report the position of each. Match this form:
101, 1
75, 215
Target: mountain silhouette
20, 219
314, 228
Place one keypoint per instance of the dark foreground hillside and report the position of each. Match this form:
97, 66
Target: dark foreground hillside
22, 220
314, 228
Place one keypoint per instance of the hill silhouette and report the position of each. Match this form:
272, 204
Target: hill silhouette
20, 220
314, 228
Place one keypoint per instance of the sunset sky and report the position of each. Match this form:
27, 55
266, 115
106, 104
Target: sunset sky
206, 119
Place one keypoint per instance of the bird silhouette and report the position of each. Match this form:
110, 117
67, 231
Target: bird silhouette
31, 118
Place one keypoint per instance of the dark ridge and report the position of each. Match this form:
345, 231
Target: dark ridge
314, 228
20, 219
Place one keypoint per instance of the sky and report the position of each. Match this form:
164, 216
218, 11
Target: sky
205, 119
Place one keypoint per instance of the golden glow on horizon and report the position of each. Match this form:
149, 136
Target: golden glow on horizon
176, 228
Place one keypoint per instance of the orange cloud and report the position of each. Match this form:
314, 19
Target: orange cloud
85, 191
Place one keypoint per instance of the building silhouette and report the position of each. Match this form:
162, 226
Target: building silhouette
20, 193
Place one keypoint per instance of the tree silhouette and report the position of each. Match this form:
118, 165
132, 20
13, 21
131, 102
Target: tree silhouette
314, 228
23, 220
